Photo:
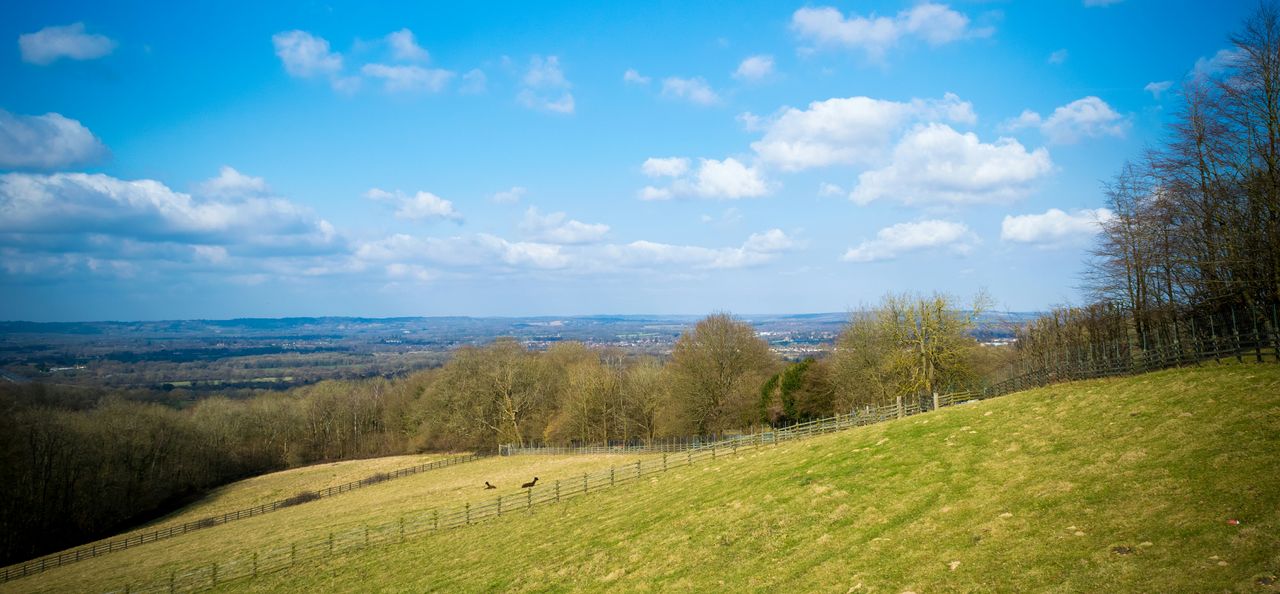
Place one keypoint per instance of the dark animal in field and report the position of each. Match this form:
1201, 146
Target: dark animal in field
488, 486
530, 483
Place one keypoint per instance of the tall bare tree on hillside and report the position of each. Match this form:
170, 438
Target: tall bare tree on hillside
717, 369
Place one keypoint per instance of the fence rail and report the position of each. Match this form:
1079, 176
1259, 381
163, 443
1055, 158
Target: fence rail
67, 557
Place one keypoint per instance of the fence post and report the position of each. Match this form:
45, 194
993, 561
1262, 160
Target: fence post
935, 401
899, 406
402, 528
366, 536
637, 469
499, 506
435, 519
467, 520
557, 491
330, 543
528, 494
611, 476
585, 485
1236, 331
293, 554
213, 573
664, 461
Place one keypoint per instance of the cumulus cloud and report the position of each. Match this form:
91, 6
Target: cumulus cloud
405, 47
48, 141
936, 164
1089, 117
231, 183
754, 68
510, 196
545, 87
852, 130
1054, 226
305, 55
50, 44
935, 24
727, 179
418, 207
632, 76
1219, 62
665, 166
1157, 88
408, 78
76, 207
557, 228
901, 238
694, 90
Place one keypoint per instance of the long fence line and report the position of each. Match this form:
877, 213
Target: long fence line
67, 557
1258, 346
254, 563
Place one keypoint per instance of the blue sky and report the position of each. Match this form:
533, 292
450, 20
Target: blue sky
247, 159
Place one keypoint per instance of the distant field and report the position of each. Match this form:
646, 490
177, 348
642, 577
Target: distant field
1121, 485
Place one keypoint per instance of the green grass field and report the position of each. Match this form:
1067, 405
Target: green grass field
1120, 485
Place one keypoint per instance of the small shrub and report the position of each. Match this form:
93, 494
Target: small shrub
377, 478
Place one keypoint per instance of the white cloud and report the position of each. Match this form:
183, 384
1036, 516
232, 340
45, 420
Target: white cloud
936, 24
694, 90
52, 43
895, 240
1054, 227
754, 68
405, 47
509, 196
1219, 62
48, 141
76, 208
231, 183
1157, 88
1089, 117
420, 206
474, 82
665, 166
557, 228
632, 76
728, 179
936, 164
1058, 57
853, 130
490, 255
305, 55
545, 86
408, 78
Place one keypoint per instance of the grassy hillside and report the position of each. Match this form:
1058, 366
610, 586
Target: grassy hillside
1109, 485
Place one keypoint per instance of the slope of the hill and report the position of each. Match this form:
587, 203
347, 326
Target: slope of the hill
1165, 482
371, 505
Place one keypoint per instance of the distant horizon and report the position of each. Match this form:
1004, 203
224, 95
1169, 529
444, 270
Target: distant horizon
480, 317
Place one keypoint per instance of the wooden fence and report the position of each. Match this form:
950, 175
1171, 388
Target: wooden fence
97, 549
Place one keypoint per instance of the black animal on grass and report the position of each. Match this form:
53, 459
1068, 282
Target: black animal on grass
488, 486
530, 483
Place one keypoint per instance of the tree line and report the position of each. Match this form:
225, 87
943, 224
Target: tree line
1192, 249
72, 471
